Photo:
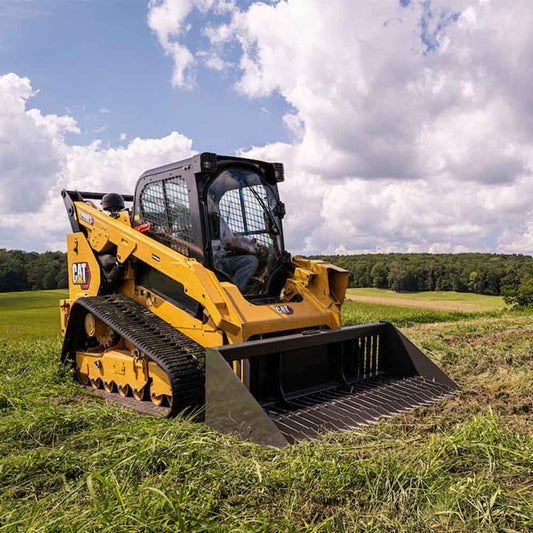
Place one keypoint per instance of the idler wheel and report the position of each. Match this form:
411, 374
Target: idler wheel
103, 333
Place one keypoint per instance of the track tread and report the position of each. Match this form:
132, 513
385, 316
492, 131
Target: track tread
180, 357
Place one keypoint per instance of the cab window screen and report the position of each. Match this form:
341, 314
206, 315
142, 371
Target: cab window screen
165, 204
244, 214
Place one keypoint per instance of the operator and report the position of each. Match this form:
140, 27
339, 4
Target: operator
229, 257
234, 255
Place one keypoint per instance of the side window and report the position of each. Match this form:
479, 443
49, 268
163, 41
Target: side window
179, 209
153, 204
166, 205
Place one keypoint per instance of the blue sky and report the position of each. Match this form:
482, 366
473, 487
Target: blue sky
404, 125
86, 56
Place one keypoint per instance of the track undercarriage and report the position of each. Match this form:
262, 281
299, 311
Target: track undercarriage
136, 359
117, 345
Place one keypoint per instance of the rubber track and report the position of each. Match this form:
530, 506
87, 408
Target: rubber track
181, 358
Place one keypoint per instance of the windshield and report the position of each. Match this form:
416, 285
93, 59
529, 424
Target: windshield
244, 232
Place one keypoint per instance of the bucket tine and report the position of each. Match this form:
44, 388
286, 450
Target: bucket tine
381, 395
333, 411
349, 409
363, 404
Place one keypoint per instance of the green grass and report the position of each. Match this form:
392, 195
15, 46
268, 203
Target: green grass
354, 312
70, 462
33, 314
461, 299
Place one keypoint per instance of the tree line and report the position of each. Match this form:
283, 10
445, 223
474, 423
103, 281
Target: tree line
32, 271
493, 274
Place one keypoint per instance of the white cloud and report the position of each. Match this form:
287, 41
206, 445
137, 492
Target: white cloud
117, 169
411, 127
213, 61
374, 98
32, 148
167, 19
36, 163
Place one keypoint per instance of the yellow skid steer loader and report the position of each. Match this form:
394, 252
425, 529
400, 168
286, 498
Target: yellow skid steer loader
186, 300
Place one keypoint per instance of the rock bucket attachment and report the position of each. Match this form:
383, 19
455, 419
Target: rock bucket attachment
295, 387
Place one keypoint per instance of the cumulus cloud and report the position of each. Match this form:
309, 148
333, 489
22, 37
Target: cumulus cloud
32, 147
412, 128
36, 163
389, 91
167, 19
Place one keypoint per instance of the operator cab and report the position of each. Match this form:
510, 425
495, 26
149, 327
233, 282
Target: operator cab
223, 211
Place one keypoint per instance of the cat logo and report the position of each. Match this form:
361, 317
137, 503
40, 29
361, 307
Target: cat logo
81, 275
284, 309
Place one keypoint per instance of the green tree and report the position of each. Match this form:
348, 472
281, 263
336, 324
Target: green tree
473, 282
379, 274
521, 297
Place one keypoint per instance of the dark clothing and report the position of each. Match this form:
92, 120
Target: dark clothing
240, 268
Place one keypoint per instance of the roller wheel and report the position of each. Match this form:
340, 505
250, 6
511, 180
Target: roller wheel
123, 390
139, 395
96, 383
157, 399
109, 386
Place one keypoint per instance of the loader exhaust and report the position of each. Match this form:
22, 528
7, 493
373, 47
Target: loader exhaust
299, 386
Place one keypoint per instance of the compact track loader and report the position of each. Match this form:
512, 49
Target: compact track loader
188, 301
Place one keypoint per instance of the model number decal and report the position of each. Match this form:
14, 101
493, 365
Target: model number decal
81, 275
284, 309
86, 217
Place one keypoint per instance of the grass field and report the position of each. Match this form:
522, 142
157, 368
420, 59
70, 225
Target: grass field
33, 314
438, 300
69, 462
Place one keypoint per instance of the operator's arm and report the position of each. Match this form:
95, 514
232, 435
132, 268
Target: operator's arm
242, 243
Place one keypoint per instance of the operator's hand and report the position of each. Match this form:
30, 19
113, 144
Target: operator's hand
262, 250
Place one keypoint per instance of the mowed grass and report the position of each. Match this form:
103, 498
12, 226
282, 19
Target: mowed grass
438, 300
355, 312
30, 313
71, 462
